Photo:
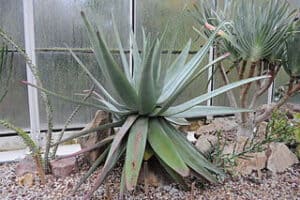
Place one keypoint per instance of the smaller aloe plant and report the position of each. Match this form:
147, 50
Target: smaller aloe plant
34, 149
143, 102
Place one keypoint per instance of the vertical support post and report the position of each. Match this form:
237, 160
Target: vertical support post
132, 24
30, 50
210, 78
270, 93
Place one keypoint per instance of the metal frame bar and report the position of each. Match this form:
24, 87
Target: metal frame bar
132, 24
30, 50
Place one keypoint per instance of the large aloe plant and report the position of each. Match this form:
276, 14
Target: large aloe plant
142, 100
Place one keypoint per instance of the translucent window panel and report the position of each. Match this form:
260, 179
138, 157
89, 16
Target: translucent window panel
222, 100
11, 19
154, 15
282, 79
58, 22
14, 107
61, 73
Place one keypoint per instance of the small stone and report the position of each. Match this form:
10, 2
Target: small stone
280, 158
26, 180
206, 143
254, 162
63, 167
26, 165
191, 136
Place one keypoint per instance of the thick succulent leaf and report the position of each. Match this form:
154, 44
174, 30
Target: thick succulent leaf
197, 100
137, 71
164, 148
95, 81
148, 153
122, 185
136, 144
122, 53
191, 156
202, 111
110, 68
109, 164
98, 145
177, 64
121, 133
178, 121
85, 132
187, 71
147, 95
68, 99
175, 176
110, 106
95, 165
116, 149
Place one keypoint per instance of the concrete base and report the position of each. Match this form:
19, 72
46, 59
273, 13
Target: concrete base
15, 155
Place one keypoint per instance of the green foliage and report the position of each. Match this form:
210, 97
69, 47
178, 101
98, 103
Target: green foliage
292, 55
258, 30
48, 107
34, 149
278, 129
6, 66
142, 99
256, 38
297, 133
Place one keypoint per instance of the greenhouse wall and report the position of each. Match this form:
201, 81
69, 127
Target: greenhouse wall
57, 24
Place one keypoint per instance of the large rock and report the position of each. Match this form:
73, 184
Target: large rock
100, 118
26, 165
63, 167
237, 147
218, 124
280, 158
25, 171
206, 143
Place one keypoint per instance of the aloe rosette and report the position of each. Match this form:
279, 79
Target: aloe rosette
143, 102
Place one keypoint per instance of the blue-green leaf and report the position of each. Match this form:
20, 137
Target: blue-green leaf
136, 144
202, 111
164, 148
197, 100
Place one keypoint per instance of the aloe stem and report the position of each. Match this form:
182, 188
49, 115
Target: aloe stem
45, 99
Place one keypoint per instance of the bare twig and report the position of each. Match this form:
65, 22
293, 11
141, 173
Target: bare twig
292, 89
230, 95
264, 86
245, 90
69, 120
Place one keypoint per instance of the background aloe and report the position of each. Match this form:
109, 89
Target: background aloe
142, 100
256, 40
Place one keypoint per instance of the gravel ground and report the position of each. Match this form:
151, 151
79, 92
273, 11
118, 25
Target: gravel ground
281, 186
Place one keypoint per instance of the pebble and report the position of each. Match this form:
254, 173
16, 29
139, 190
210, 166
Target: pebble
281, 186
